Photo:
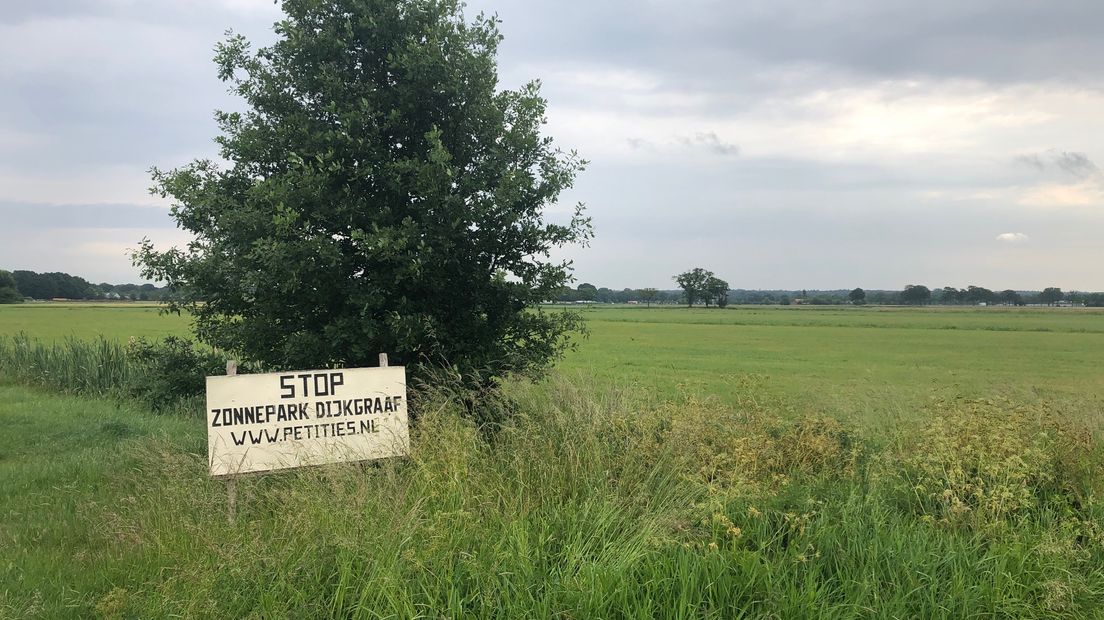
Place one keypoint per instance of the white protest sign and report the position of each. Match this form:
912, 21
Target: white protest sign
313, 417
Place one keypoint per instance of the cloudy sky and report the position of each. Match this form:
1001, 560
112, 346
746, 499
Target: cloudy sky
780, 143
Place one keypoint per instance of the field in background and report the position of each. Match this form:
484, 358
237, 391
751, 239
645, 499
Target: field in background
121, 320
840, 359
850, 360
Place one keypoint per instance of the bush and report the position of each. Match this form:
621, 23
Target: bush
170, 370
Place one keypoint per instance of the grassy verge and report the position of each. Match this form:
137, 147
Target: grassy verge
593, 502
68, 466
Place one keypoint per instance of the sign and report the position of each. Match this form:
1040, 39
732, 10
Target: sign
312, 417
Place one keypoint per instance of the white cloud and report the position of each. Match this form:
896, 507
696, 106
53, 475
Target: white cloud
1012, 237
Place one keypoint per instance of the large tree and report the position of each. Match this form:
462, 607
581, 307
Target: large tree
1051, 295
381, 195
695, 284
951, 295
980, 295
916, 294
35, 285
9, 293
717, 291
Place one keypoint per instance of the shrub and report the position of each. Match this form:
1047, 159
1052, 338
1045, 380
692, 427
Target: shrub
170, 370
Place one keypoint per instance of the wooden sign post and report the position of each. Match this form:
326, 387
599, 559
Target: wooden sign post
231, 481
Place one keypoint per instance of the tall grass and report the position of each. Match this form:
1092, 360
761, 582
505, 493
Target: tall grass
165, 375
592, 502
595, 503
97, 367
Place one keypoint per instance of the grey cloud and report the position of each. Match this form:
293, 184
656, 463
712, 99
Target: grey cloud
711, 142
1070, 162
1077, 164
1032, 160
730, 47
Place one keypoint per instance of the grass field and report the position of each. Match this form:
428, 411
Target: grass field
866, 361
843, 359
56, 321
756, 462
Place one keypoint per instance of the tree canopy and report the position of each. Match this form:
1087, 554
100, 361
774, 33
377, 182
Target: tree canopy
9, 293
916, 294
702, 285
1051, 295
695, 284
717, 291
382, 195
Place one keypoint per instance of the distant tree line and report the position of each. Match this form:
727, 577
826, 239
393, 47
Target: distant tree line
979, 295
588, 293
15, 286
912, 294
707, 289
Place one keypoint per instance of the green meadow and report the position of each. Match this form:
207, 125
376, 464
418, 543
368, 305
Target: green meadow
862, 360
51, 321
748, 462
830, 357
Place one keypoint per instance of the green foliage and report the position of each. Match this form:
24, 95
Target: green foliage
9, 292
10, 296
857, 296
716, 291
170, 371
979, 295
51, 285
916, 294
695, 284
1010, 297
1051, 295
382, 196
